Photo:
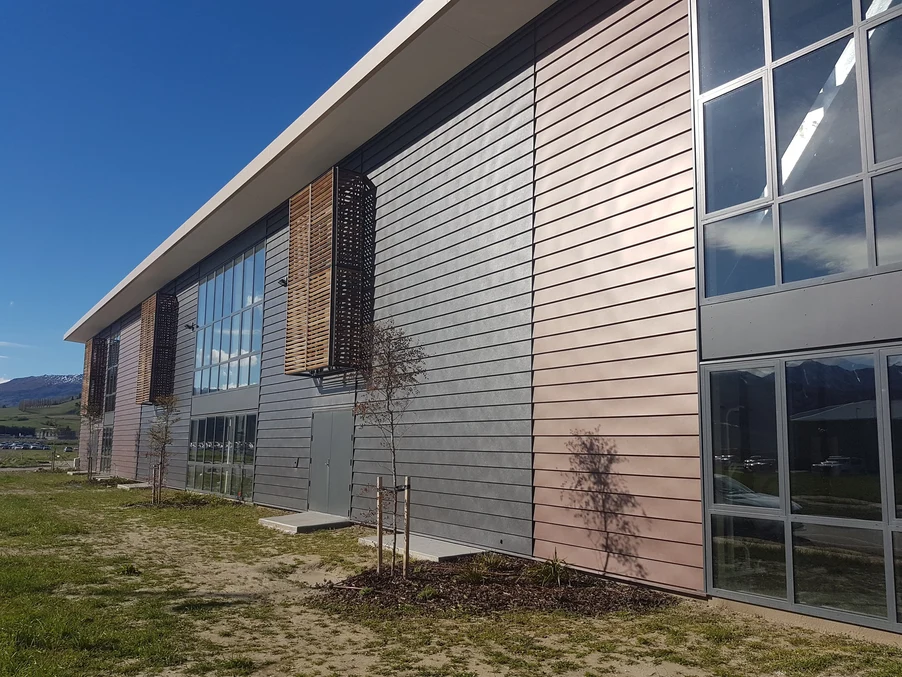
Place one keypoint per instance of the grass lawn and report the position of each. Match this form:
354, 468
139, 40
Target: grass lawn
31, 458
65, 414
93, 581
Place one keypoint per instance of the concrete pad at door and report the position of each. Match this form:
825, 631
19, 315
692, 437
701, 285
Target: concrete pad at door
134, 485
421, 547
302, 522
77, 472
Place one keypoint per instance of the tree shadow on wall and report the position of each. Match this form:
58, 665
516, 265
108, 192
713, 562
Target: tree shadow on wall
601, 498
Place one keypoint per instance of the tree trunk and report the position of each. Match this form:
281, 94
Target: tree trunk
394, 475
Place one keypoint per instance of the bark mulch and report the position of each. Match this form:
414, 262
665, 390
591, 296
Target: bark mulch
494, 583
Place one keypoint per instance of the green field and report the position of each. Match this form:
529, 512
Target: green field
58, 415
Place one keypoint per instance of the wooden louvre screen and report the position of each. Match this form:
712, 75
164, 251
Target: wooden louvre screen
156, 354
94, 378
331, 222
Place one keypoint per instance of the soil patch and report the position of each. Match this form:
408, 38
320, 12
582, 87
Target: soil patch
494, 583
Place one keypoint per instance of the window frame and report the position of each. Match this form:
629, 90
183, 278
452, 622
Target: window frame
112, 373
889, 525
206, 463
212, 287
765, 74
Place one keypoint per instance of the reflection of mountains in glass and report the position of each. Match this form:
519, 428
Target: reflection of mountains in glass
815, 385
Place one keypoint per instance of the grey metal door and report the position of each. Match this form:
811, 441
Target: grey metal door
331, 448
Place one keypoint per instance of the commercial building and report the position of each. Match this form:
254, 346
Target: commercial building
676, 224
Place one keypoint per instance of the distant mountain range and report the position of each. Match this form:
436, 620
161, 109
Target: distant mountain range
39, 387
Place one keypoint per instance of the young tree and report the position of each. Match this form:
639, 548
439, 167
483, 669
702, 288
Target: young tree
92, 414
393, 368
160, 436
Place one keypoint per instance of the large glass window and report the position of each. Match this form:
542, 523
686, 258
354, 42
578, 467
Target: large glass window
789, 137
735, 152
834, 458
744, 438
824, 233
230, 320
839, 568
894, 382
885, 50
739, 253
732, 40
799, 23
221, 452
748, 555
112, 374
106, 450
888, 216
816, 104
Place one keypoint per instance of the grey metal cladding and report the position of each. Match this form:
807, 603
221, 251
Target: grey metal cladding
845, 312
286, 403
453, 268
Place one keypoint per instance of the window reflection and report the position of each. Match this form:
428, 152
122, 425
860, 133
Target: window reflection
871, 8
839, 568
739, 253
748, 555
800, 23
731, 37
885, 50
824, 234
894, 379
888, 217
744, 438
897, 568
816, 104
834, 466
735, 170
230, 315
221, 455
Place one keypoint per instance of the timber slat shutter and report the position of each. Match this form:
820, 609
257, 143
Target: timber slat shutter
94, 378
156, 354
329, 272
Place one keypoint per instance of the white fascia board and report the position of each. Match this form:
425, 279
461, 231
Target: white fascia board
438, 39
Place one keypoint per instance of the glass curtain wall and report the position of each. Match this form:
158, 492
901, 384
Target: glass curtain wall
106, 450
803, 488
229, 337
221, 452
800, 150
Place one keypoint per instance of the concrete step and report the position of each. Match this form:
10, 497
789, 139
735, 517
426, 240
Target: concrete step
424, 548
303, 522
134, 485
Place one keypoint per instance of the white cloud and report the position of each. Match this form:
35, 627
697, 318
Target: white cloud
10, 344
3, 380
4, 357
12, 303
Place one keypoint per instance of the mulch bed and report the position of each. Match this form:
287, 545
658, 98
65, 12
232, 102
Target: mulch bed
506, 584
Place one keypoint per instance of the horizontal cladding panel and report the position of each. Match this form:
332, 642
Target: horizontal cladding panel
423, 457
450, 471
626, 35
673, 346
618, 464
668, 384
636, 445
675, 424
654, 507
661, 405
665, 55
596, 304
460, 490
606, 191
647, 527
632, 155
667, 574
665, 264
592, 535
637, 91
615, 333
674, 302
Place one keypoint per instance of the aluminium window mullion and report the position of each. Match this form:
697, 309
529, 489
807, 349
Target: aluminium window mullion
783, 469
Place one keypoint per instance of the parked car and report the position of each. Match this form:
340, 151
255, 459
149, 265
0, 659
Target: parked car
68, 450
839, 465
759, 464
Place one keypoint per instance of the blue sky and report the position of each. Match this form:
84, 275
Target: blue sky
119, 119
